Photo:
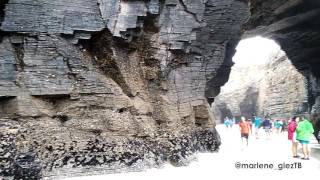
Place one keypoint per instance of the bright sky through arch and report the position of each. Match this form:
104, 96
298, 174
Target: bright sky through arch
256, 50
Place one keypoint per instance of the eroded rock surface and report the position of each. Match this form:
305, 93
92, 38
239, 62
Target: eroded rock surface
78, 75
108, 84
275, 88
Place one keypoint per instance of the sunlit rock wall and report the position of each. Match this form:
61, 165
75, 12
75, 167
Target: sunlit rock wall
276, 89
239, 96
283, 90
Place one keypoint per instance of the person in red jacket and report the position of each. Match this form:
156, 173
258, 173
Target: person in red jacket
292, 135
244, 130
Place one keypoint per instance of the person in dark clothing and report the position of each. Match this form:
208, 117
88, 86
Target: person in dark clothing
267, 125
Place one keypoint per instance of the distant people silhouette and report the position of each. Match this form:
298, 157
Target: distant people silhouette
227, 122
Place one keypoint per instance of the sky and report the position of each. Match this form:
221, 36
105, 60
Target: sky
255, 50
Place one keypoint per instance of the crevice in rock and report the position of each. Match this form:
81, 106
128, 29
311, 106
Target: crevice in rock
144, 48
2, 9
95, 131
150, 23
249, 105
5, 107
311, 94
69, 66
122, 110
62, 118
19, 53
221, 110
100, 47
99, 9
194, 15
2, 15
53, 98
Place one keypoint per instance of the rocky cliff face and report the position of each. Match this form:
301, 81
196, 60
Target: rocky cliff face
239, 96
98, 85
275, 88
283, 90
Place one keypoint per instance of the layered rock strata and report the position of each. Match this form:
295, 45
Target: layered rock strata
91, 86
110, 72
276, 89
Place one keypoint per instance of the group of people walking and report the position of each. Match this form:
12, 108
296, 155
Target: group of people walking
229, 122
268, 126
300, 131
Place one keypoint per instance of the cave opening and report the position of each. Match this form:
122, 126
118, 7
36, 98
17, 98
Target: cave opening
7, 106
263, 82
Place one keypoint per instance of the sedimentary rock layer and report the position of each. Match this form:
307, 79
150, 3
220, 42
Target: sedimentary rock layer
110, 83
275, 89
74, 71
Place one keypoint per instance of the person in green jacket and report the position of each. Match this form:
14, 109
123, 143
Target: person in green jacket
304, 132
